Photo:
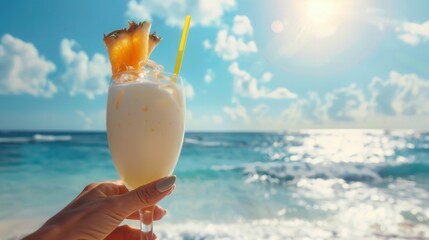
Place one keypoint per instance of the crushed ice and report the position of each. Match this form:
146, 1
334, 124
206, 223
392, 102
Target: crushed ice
149, 68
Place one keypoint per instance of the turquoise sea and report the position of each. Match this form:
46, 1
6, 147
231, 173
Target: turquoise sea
312, 184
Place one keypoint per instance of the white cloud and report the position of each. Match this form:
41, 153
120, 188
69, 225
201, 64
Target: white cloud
189, 91
23, 70
260, 109
84, 75
203, 12
344, 104
244, 84
232, 42
410, 39
235, 70
413, 33
266, 77
87, 121
236, 112
209, 76
92, 120
242, 26
280, 93
247, 86
309, 109
207, 44
230, 47
203, 122
401, 94
400, 101
348, 103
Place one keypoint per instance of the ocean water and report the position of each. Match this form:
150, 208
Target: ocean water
315, 184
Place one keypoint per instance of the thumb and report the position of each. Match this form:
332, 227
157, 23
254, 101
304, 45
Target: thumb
147, 195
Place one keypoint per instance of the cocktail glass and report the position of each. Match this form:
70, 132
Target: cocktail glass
145, 128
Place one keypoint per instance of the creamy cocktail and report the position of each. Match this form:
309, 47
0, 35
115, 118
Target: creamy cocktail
145, 110
145, 125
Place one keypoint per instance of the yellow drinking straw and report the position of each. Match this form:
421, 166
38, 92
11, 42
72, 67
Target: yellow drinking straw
182, 47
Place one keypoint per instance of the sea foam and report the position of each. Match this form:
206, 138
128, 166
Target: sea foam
36, 138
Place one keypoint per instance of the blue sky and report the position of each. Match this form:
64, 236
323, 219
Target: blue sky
250, 65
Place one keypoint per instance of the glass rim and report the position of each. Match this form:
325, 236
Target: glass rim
164, 76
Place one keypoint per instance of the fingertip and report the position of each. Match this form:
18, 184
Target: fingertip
172, 189
165, 184
158, 213
149, 194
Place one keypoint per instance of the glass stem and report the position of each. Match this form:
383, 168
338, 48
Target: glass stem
146, 223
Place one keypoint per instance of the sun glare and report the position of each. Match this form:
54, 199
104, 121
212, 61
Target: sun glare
317, 33
323, 16
322, 11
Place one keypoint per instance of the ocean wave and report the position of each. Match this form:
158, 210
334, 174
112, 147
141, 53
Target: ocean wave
224, 167
36, 138
353, 211
277, 172
206, 143
287, 171
274, 229
259, 229
51, 138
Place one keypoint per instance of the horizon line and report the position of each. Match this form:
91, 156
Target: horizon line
225, 131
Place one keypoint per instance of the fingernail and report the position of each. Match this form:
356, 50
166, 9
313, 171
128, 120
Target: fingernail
165, 183
172, 189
